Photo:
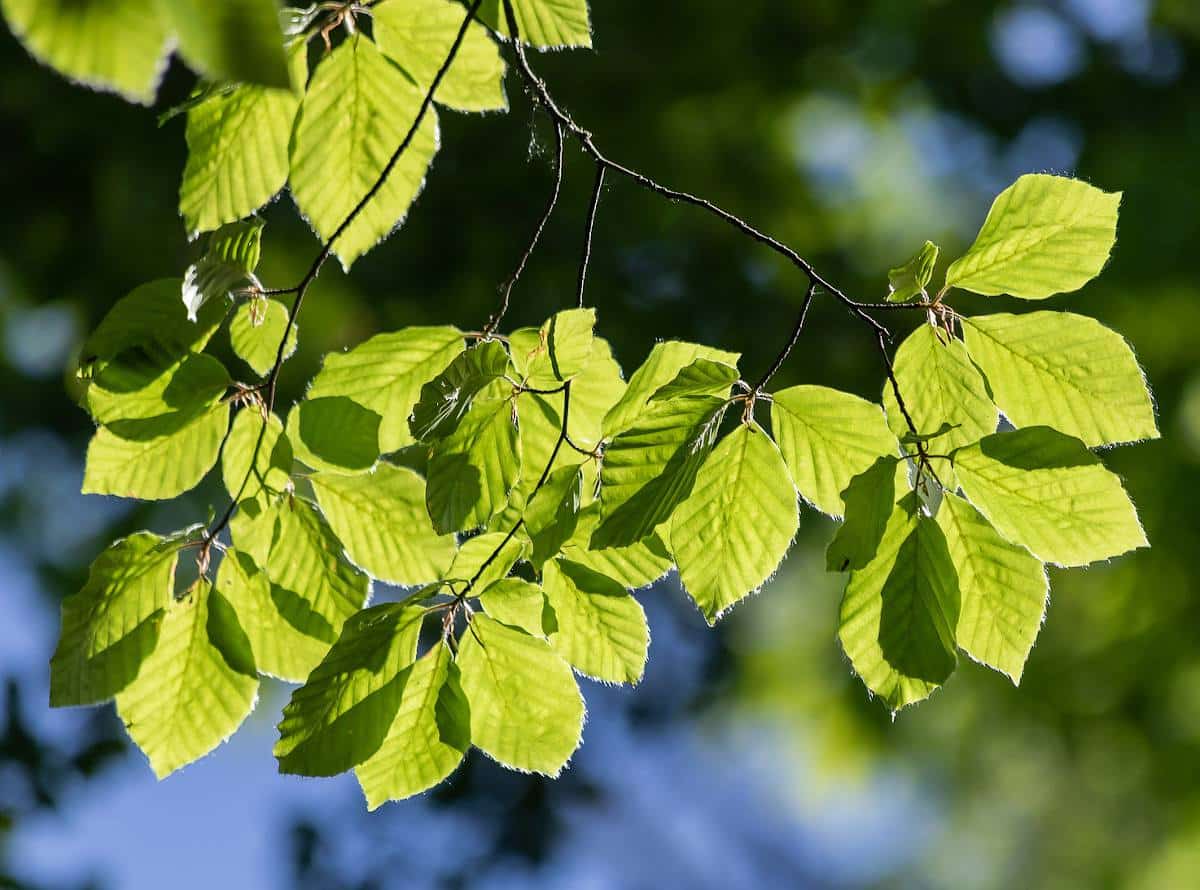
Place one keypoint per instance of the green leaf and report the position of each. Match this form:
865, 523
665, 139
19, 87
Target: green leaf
357, 111
1047, 492
112, 45
1003, 589
136, 386
635, 566
827, 438
230, 39
446, 398
343, 712
195, 688
910, 280
735, 528
870, 501
229, 261
1065, 371
650, 469
475, 556
899, 611
526, 710
111, 626
552, 513
381, 519
428, 737
518, 603
558, 351
703, 377
386, 374
272, 463
256, 331
911, 438
334, 433
1044, 235
599, 628
542, 23
661, 366
418, 35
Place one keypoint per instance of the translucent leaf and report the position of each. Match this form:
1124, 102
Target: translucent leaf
827, 438
518, 603
543, 23
343, 712
230, 258
111, 626
661, 366
195, 688
1003, 589
1044, 235
556, 352
231, 39
334, 433
735, 528
703, 377
446, 398
475, 557
418, 35
552, 513
637, 565
112, 45
272, 464
526, 710
136, 386
909, 280
1065, 371
598, 627
1047, 492
870, 500
381, 519
357, 110
256, 331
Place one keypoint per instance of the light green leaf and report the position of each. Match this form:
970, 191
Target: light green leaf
703, 377
661, 366
135, 386
900, 610
195, 688
111, 626
827, 438
1044, 235
870, 500
112, 45
542, 23
475, 556
358, 108
526, 710
518, 603
229, 261
1065, 371
381, 519
418, 35
735, 528
1003, 589
552, 513
907, 281
335, 434
428, 737
599, 628
556, 352
637, 565
272, 463
256, 331
446, 398
1047, 492
230, 39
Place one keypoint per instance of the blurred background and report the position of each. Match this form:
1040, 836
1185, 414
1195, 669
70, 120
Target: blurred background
749, 757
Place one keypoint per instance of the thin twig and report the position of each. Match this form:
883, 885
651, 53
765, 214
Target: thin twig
588, 230
791, 344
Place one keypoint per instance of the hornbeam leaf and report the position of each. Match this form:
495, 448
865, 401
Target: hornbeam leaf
1047, 492
827, 438
229, 261
445, 399
599, 628
428, 737
911, 279
1003, 589
475, 556
111, 626
519, 603
870, 500
553, 512
335, 434
343, 712
661, 366
196, 687
1044, 235
358, 109
256, 330
703, 377
735, 528
135, 386
238, 40
637, 565
1065, 371
381, 519
557, 351
526, 710
272, 462
542, 23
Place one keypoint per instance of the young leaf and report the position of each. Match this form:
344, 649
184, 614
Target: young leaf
475, 556
909, 280
446, 398
237, 40
229, 261
1065, 371
428, 737
519, 603
542, 23
827, 438
381, 519
870, 500
335, 434
735, 528
661, 366
136, 386
111, 626
1003, 589
1044, 235
553, 512
703, 377
358, 108
637, 565
272, 463
255, 332
557, 351
196, 687
526, 710
1047, 492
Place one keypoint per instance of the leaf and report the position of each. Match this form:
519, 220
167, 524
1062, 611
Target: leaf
703, 377
356, 113
475, 557
256, 331
542, 23
386, 373
445, 399
136, 386
1065, 371
230, 39
381, 519
923, 438
661, 366
335, 434
343, 712
1047, 492
637, 565
558, 351
229, 261
1003, 589
518, 603
735, 528
195, 688
599, 628
552, 513
117, 46
272, 462
899, 611
910, 280
827, 438
111, 626
650, 469
428, 737
418, 35
870, 501
1044, 235
526, 710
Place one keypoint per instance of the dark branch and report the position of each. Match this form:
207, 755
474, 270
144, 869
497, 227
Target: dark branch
791, 344
588, 229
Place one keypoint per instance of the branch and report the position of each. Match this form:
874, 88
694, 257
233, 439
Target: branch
589, 229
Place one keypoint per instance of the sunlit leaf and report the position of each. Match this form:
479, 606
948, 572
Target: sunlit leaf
598, 627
